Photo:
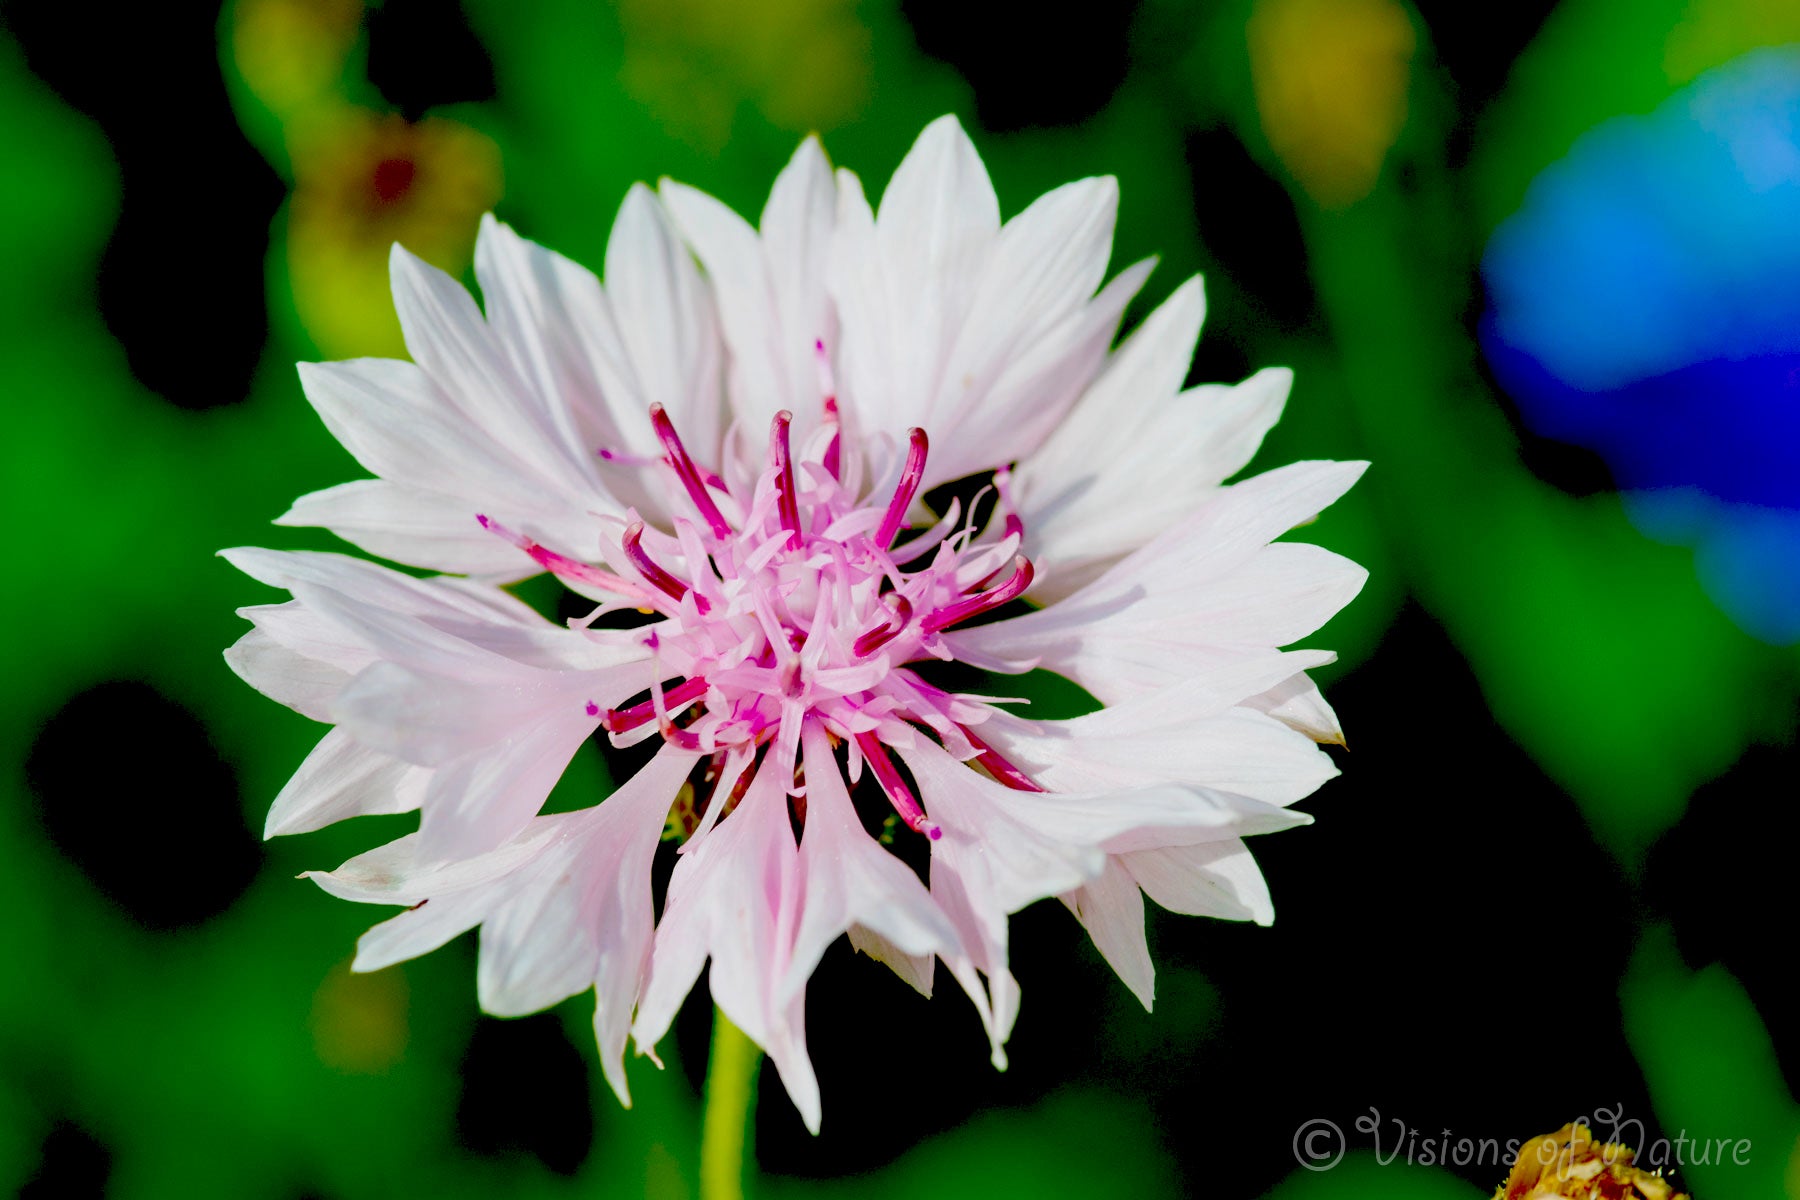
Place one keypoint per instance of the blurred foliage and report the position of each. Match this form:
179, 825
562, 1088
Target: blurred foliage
1334, 169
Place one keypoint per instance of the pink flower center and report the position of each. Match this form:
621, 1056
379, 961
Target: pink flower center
800, 605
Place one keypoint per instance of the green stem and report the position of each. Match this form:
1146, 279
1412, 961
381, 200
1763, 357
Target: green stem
730, 1095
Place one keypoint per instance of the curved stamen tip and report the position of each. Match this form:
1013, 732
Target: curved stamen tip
652, 572
880, 636
917, 447
593, 710
931, 829
971, 606
676, 455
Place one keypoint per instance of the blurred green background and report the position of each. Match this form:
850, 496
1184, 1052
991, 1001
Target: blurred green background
1554, 880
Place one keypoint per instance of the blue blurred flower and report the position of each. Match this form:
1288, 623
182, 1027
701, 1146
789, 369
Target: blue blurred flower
1645, 302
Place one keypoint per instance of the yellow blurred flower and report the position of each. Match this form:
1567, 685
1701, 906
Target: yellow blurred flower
291, 53
1330, 78
359, 1022
364, 181
804, 64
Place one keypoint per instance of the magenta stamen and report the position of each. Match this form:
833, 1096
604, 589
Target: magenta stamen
625, 458
652, 573
683, 463
561, 565
681, 737
898, 794
981, 602
910, 475
997, 764
665, 723
787, 505
828, 389
833, 448
622, 720
875, 639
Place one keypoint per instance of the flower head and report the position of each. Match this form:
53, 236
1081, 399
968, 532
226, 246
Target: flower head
734, 436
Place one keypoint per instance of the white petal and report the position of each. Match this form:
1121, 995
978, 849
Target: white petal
1141, 377
561, 331
732, 254
1016, 362
904, 280
305, 684
770, 289
420, 930
446, 897
564, 905
397, 873
342, 779
1205, 591
448, 338
939, 212
373, 584
1235, 419
622, 904
478, 801
797, 225
309, 635
408, 525
555, 325
871, 312
1209, 879
964, 889
1093, 491
1006, 857
1112, 910
847, 879
1002, 849
1296, 703
666, 322
400, 424
1237, 752
916, 969
583, 913
361, 611
980, 334
1188, 734
402, 639
1036, 386
1282, 594
732, 900
441, 428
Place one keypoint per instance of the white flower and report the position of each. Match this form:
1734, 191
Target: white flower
733, 440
